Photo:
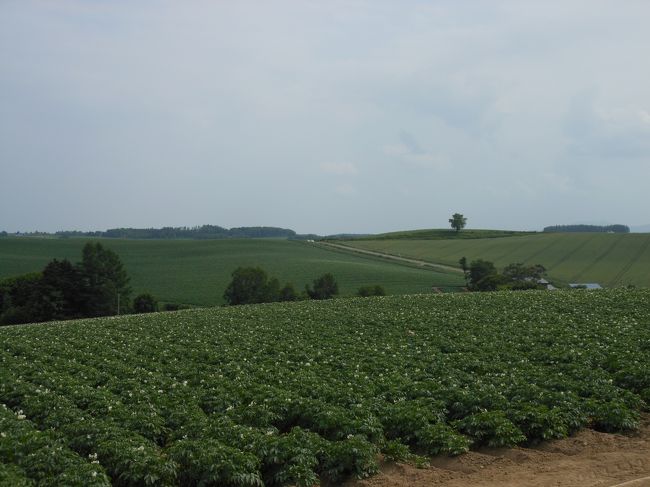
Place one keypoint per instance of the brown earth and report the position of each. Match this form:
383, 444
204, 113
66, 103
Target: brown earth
588, 459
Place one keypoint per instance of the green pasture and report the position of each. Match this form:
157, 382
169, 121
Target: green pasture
609, 259
445, 233
196, 272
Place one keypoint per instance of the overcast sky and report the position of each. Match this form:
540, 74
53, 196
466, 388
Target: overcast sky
323, 116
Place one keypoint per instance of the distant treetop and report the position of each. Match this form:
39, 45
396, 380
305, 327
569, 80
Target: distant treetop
589, 228
201, 232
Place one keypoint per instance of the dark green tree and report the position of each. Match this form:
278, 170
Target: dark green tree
367, 291
482, 275
457, 221
106, 283
519, 271
61, 292
145, 303
324, 287
251, 285
463, 265
18, 296
288, 293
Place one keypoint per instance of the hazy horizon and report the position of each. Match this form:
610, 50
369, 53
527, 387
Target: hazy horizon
337, 117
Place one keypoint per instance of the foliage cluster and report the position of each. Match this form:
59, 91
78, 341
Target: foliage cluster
287, 393
588, 228
367, 291
96, 286
482, 275
252, 285
457, 222
198, 232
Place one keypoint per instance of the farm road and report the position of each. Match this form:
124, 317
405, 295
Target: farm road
396, 258
587, 459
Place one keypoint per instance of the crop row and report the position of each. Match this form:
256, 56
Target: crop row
285, 394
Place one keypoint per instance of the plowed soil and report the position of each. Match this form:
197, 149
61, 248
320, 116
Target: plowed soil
587, 459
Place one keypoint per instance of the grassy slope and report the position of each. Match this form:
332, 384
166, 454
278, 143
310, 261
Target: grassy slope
198, 271
445, 233
610, 259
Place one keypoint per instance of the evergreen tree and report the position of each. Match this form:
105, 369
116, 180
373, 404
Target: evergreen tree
105, 282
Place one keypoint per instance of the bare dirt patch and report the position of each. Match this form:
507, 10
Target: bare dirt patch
587, 459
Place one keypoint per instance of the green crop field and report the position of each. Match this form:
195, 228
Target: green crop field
197, 272
445, 233
609, 259
287, 393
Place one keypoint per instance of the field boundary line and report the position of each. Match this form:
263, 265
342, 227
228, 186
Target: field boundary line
418, 262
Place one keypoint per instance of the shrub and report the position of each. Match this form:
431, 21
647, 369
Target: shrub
325, 287
366, 291
251, 285
145, 303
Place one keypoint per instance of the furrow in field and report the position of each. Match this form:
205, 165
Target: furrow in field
608, 250
633, 260
567, 256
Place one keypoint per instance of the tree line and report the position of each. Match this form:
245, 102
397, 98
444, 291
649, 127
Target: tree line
482, 275
98, 285
588, 228
251, 285
198, 232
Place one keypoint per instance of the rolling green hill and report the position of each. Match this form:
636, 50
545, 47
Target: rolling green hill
444, 233
197, 272
609, 259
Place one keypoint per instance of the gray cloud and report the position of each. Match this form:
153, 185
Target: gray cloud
256, 113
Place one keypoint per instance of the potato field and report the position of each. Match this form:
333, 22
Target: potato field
308, 392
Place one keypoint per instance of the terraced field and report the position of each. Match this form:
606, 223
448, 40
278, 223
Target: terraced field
609, 259
294, 393
197, 271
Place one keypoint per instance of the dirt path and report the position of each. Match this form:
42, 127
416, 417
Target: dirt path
588, 459
420, 263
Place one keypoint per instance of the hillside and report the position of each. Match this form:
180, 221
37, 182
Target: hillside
443, 233
609, 259
197, 272
285, 394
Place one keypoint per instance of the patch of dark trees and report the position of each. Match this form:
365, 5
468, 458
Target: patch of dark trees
589, 228
251, 285
200, 232
482, 275
98, 285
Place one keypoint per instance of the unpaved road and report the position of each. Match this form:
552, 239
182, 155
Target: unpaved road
420, 263
588, 459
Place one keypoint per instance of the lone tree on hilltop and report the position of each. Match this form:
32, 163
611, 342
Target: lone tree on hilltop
457, 221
